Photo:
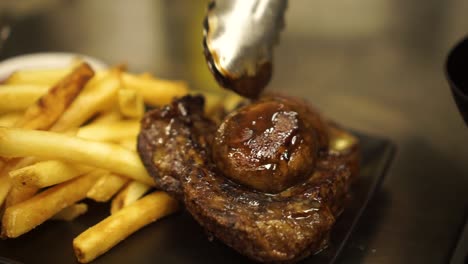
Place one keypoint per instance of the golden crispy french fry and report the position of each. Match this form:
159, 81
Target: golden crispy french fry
19, 97
23, 217
101, 237
107, 117
71, 212
5, 186
7, 196
106, 187
47, 173
129, 143
45, 112
10, 119
50, 107
112, 131
98, 95
38, 76
19, 194
25, 87
131, 103
49, 145
129, 194
155, 91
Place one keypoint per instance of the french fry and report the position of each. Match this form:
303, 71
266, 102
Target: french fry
19, 97
46, 77
129, 143
78, 164
47, 173
131, 104
71, 212
101, 237
129, 194
10, 119
51, 106
23, 217
49, 145
106, 187
19, 194
5, 186
155, 91
107, 117
9, 197
97, 96
111, 131
45, 112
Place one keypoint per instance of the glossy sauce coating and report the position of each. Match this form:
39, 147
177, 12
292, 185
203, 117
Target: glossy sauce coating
267, 145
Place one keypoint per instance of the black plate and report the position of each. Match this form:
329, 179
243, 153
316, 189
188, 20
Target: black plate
179, 239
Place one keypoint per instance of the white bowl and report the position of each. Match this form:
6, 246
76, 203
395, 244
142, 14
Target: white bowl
46, 60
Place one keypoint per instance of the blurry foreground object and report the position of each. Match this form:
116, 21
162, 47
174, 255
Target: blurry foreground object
457, 75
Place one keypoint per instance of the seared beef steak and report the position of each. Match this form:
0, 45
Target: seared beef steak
168, 134
176, 144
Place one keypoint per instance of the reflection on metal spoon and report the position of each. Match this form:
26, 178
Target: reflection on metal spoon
238, 42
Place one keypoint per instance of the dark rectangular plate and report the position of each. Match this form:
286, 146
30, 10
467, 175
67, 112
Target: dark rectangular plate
179, 239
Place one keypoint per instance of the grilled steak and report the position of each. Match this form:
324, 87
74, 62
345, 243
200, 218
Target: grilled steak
168, 134
204, 167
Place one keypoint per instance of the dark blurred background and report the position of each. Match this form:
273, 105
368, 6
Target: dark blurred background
377, 66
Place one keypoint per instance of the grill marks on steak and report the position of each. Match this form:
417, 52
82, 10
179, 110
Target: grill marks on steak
175, 146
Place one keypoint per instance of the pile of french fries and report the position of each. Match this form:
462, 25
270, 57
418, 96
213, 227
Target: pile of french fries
67, 135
